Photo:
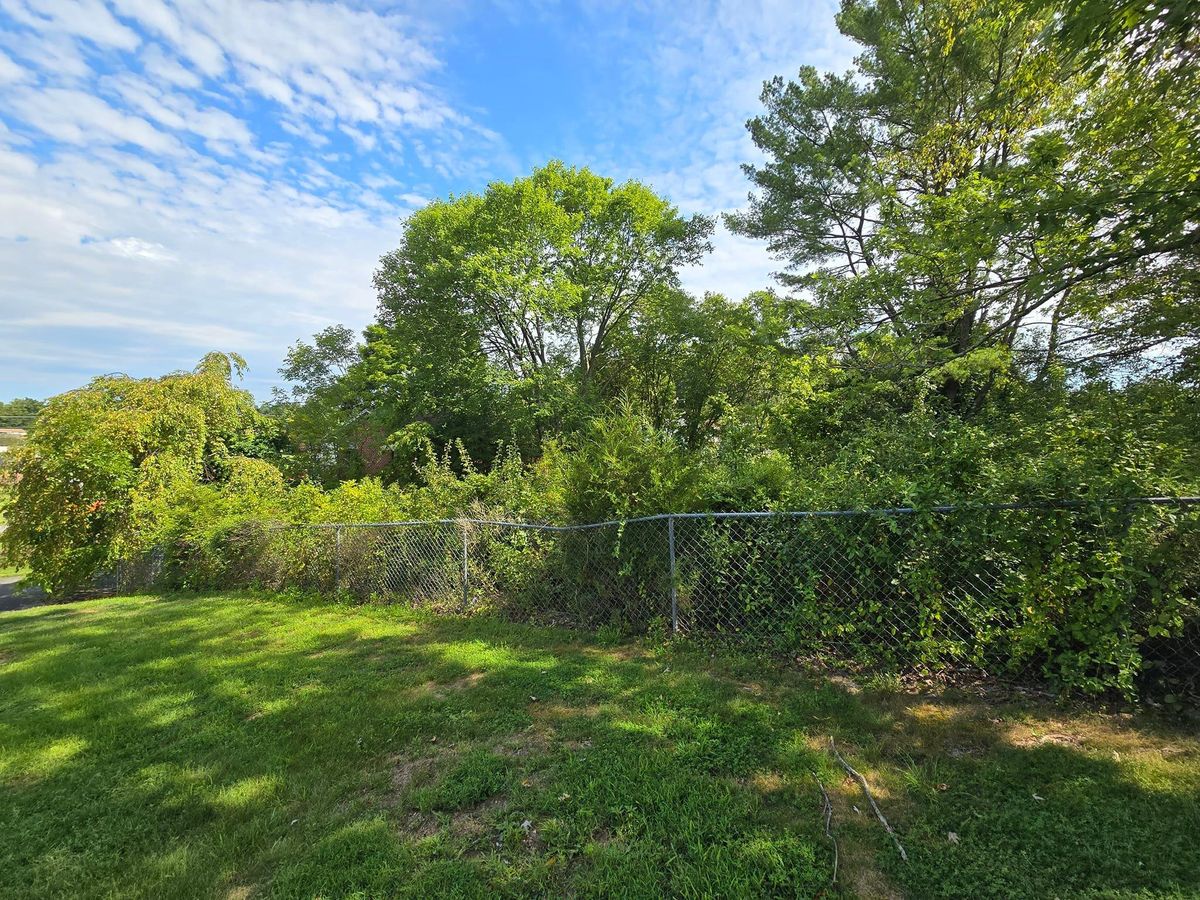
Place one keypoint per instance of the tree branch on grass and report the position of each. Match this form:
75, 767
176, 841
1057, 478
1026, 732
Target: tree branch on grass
862, 782
827, 814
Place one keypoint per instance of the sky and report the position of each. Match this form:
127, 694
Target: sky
182, 176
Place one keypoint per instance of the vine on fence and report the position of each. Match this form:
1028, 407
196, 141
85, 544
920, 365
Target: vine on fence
1090, 597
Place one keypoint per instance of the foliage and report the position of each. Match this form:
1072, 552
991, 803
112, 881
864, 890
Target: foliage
620, 466
98, 449
328, 433
498, 308
974, 204
20, 413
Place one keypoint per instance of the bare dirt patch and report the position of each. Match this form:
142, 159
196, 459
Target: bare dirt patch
420, 825
474, 822
408, 772
1108, 735
768, 782
545, 713
623, 652
532, 741
865, 882
845, 682
956, 727
855, 828
441, 690
1025, 737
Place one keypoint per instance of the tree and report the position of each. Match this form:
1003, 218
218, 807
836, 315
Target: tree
974, 202
513, 299
695, 366
20, 413
98, 446
326, 411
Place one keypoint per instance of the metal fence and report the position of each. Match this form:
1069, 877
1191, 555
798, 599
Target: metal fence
1001, 588
1067, 589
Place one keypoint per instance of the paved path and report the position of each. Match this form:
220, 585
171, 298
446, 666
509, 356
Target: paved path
14, 596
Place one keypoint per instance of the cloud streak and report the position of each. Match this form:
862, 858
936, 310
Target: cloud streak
178, 176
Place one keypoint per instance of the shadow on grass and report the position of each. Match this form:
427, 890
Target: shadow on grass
1041, 801
240, 745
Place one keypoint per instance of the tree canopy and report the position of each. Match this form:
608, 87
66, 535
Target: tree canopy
979, 200
20, 413
98, 447
499, 310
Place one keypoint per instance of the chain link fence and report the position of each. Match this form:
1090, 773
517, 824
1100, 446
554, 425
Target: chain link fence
1070, 591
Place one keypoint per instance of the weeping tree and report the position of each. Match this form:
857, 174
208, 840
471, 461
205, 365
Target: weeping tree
95, 448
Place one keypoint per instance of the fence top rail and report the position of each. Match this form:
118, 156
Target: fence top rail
766, 514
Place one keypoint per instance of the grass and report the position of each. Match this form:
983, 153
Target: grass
6, 570
245, 746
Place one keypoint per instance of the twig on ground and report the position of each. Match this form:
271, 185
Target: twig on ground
827, 812
862, 782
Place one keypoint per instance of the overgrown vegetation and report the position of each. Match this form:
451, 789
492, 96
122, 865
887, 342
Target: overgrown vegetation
263, 746
989, 231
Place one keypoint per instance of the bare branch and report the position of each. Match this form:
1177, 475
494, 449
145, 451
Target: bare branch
862, 782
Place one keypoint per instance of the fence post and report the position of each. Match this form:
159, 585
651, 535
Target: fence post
466, 587
674, 586
337, 559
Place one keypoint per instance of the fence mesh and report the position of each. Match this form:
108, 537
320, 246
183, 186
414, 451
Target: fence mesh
1074, 591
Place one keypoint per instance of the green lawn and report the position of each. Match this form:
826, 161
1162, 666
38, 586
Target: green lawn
240, 746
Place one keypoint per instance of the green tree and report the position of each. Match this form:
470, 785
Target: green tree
96, 447
698, 367
498, 308
326, 410
974, 203
20, 413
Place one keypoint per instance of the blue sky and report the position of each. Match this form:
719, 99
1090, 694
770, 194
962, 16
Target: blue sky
179, 177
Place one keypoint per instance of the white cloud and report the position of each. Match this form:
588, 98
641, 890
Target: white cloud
136, 248
324, 60
736, 267
88, 19
158, 65
147, 199
76, 117
178, 112
710, 59
198, 336
10, 72
55, 53
161, 19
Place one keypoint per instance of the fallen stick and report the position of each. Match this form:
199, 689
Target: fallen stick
862, 782
827, 812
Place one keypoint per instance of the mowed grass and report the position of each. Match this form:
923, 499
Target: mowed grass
243, 746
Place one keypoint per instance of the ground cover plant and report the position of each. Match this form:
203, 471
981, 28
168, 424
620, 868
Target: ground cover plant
251, 745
